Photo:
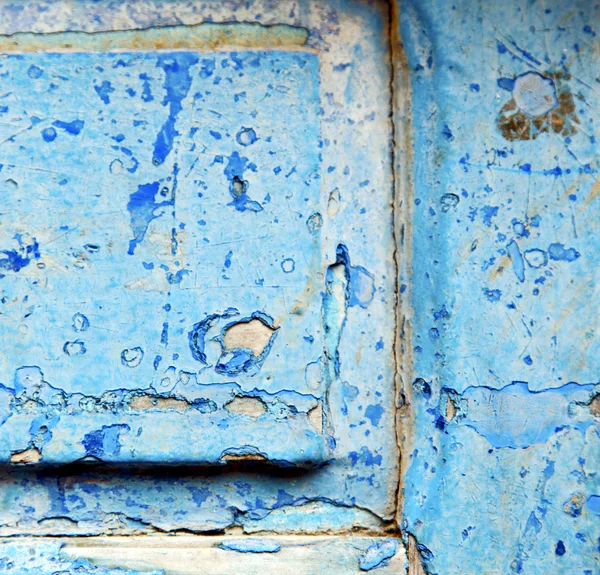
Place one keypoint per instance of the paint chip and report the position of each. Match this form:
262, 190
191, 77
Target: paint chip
27, 457
249, 406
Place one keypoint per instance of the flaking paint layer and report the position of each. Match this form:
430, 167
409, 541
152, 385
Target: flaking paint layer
501, 467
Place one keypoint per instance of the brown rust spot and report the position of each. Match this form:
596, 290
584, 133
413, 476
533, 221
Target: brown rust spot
515, 124
27, 457
595, 406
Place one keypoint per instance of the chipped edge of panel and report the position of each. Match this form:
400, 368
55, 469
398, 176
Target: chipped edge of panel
217, 555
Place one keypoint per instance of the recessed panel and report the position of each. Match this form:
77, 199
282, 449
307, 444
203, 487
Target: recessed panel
160, 256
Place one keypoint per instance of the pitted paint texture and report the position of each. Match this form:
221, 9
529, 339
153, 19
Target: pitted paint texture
502, 462
190, 270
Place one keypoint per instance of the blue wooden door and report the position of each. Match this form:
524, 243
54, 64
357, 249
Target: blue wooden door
298, 287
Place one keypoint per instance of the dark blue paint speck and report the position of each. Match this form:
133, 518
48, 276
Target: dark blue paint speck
49, 134
104, 90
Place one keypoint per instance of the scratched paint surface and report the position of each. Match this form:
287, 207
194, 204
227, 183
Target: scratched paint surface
282, 228
502, 463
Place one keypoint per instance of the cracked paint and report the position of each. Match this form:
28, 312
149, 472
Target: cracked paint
200, 37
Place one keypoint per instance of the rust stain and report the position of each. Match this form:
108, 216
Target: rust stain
415, 562
516, 125
595, 406
594, 193
502, 264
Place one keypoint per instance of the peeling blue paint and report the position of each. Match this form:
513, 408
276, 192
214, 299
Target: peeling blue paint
177, 84
500, 464
143, 206
104, 441
517, 417
558, 252
377, 554
251, 545
517, 260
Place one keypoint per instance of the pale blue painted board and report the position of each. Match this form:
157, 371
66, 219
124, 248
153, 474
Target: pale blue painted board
152, 202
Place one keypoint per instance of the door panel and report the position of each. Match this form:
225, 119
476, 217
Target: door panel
227, 207
177, 269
